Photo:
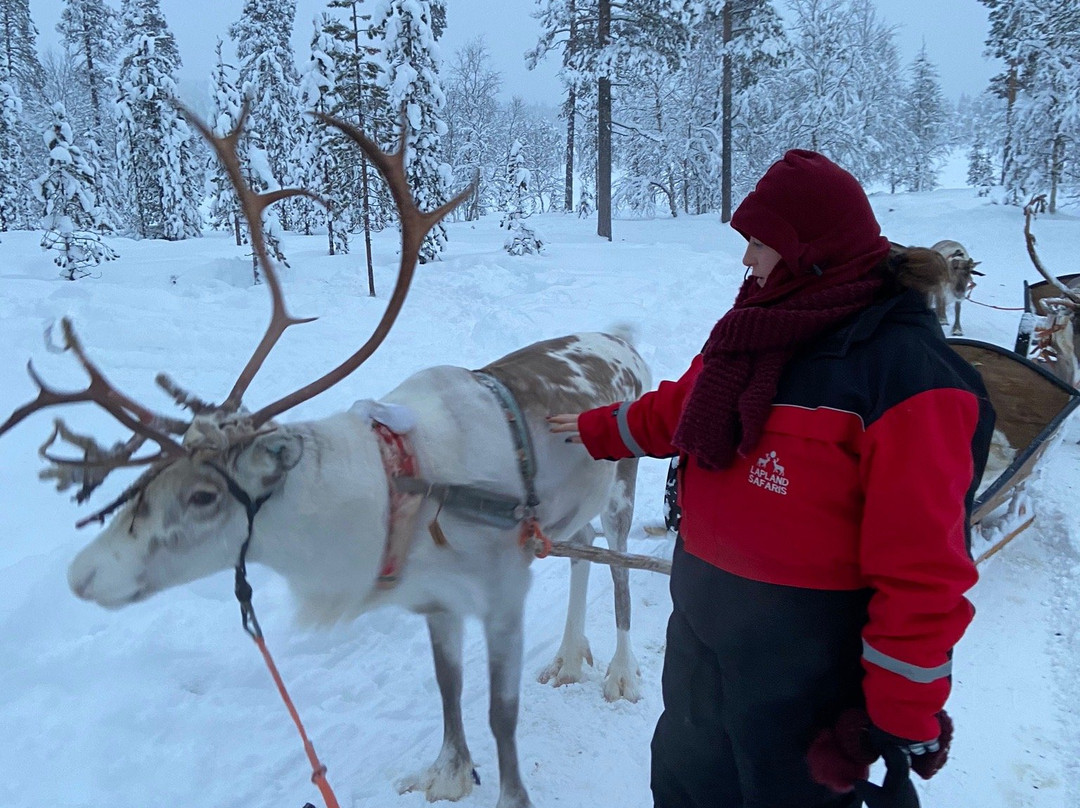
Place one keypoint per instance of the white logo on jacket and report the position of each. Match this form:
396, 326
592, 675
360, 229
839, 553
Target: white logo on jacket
767, 473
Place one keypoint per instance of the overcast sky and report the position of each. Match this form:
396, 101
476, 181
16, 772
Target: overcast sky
954, 32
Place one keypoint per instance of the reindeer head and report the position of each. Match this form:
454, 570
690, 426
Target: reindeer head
189, 513
1055, 345
961, 272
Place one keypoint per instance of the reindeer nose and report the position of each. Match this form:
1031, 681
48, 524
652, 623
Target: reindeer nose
81, 585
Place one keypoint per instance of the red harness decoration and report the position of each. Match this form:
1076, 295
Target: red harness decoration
398, 461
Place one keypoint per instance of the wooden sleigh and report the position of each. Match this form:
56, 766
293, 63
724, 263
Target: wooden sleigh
1032, 406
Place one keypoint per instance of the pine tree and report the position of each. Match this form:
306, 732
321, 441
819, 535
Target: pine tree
319, 146
361, 96
70, 214
268, 79
472, 89
18, 48
226, 105
412, 74
12, 196
522, 239
25, 75
838, 95
1038, 43
154, 153
926, 120
609, 39
90, 31
980, 173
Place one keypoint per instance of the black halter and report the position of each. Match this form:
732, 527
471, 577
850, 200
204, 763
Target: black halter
242, 588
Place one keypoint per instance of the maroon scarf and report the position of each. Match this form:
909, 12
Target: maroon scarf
749, 347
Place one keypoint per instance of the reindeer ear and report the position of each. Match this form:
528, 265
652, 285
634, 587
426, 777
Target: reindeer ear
271, 456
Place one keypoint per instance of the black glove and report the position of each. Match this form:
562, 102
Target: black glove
897, 790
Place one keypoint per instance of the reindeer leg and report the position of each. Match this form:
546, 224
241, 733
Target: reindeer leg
566, 667
503, 631
623, 678
939, 309
957, 331
451, 776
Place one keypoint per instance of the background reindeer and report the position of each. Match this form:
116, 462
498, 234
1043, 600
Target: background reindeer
1052, 333
328, 503
956, 286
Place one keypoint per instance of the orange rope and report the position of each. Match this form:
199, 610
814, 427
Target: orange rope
318, 776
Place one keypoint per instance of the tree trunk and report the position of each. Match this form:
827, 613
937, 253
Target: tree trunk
365, 190
1010, 99
571, 113
603, 130
1057, 165
725, 116
571, 109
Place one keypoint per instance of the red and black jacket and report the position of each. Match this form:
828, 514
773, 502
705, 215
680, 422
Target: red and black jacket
863, 479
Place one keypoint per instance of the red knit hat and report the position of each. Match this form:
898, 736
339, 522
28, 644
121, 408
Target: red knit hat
810, 211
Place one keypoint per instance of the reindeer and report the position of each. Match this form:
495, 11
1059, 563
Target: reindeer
338, 506
1055, 328
955, 287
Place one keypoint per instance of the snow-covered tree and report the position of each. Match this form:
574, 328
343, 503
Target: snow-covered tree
516, 206
361, 100
12, 194
1039, 44
980, 168
838, 94
90, 32
18, 48
319, 146
926, 120
413, 86
472, 116
69, 209
609, 38
226, 106
268, 79
154, 152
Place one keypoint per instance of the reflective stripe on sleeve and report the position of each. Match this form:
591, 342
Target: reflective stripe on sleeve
624, 430
912, 673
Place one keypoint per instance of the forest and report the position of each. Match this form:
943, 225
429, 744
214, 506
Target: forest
671, 107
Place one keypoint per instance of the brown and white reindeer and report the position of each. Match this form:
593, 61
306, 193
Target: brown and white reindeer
955, 287
423, 499
1053, 329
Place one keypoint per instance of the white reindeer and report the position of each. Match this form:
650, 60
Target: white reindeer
956, 284
320, 503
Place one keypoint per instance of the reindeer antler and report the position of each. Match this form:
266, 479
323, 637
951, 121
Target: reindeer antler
97, 461
253, 205
1037, 205
215, 427
101, 392
415, 224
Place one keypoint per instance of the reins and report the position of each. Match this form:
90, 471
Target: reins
243, 593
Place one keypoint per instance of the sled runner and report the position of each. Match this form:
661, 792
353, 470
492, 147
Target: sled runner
1032, 405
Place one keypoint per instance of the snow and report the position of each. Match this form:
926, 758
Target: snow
168, 702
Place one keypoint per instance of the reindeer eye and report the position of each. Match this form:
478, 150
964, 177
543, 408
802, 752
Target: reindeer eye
202, 498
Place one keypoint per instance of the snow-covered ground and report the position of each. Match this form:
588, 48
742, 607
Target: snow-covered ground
167, 702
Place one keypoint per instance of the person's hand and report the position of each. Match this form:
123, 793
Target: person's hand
565, 424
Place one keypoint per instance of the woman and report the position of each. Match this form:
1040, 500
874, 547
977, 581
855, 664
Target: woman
831, 443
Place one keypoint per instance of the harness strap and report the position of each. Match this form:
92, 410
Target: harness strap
399, 462
531, 534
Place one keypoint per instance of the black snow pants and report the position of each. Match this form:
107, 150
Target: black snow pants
752, 673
